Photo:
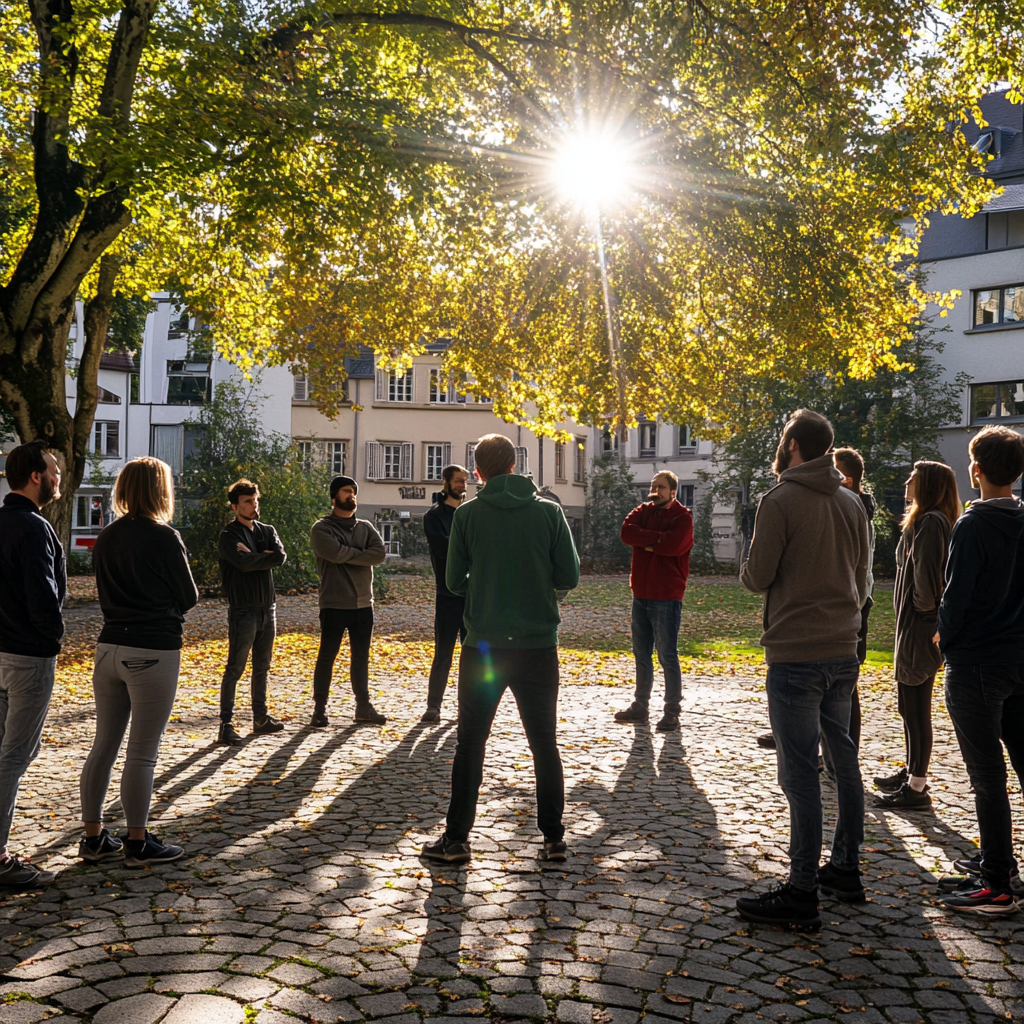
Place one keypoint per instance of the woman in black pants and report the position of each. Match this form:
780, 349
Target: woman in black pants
920, 562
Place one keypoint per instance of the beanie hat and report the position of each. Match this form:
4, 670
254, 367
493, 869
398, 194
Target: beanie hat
343, 481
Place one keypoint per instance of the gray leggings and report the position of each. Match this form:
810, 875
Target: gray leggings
137, 684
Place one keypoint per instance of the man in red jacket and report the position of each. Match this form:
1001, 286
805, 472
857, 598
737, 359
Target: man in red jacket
660, 532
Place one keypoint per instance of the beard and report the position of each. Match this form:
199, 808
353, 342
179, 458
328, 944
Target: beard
657, 499
346, 505
783, 457
46, 492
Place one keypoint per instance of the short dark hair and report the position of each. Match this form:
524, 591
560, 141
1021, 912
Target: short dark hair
240, 487
812, 432
853, 462
999, 453
448, 472
25, 460
494, 454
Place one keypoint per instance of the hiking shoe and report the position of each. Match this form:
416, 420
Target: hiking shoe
140, 852
19, 874
266, 725
906, 798
366, 713
783, 905
319, 719
668, 723
634, 713
982, 900
766, 740
447, 851
96, 849
431, 715
554, 851
845, 885
227, 736
892, 783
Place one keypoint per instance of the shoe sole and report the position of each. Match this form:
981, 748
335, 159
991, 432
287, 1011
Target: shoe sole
844, 896
462, 858
101, 858
136, 862
42, 879
811, 923
990, 910
553, 858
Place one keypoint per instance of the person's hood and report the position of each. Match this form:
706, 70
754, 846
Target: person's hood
1003, 514
508, 491
869, 503
819, 474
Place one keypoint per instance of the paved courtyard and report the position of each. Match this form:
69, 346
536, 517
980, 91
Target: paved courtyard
303, 897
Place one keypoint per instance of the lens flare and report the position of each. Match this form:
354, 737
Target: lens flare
591, 170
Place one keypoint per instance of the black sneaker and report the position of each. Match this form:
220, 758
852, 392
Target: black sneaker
783, 905
96, 849
982, 900
140, 852
319, 719
969, 869
844, 885
892, 783
227, 736
766, 740
431, 715
668, 723
554, 851
365, 713
447, 851
266, 725
906, 799
634, 713
19, 874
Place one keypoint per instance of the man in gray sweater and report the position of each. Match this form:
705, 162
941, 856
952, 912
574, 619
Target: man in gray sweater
346, 550
809, 558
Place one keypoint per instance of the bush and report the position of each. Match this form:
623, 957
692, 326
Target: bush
611, 496
79, 563
702, 557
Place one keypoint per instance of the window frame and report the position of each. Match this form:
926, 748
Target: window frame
1001, 290
560, 476
399, 384
690, 447
974, 421
101, 438
579, 462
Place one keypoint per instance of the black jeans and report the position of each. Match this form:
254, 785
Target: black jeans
532, 676
333, 623
448, 624
986, 703
915, 707
249, 629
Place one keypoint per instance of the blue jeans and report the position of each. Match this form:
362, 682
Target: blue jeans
26, 685
249, 629
808, 700
656, 626
986, 703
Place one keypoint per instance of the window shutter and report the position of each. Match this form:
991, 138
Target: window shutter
471, 460
522, 462
374, 460
301, 389
446, 454
382, 386
405, 466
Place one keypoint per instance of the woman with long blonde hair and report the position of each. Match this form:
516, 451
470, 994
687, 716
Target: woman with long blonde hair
145, 587
933, 508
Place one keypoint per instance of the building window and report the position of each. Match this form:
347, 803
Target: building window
580, 462
336, 453
436, 457
1004, 229
106, 439
88, 512
133, 389
1003, 402
389, 534
105, 397
440, 388
168, 444
471, 461
609, 440
522, 462
559, 460
301, 391
999, 305
307, 455
685, 495
687, 442
188, 383
389, 461
648, 439
400, 387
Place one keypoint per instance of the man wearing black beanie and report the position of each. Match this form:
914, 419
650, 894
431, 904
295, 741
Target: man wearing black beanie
346, 550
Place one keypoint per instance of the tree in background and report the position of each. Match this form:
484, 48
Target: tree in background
702, 555
230, 443
611, 495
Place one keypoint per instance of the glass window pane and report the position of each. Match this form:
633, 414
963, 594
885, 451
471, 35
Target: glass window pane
1013, 304
997, 225
1015, 228
983, 402
986, 307
1012, 398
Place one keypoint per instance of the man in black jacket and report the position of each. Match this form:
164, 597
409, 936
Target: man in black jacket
981, 636
33, 582
249, 551
449, 608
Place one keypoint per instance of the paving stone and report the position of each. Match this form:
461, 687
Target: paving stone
80, 999
142, 1009
22, 1013
387, 1005
247, 988
189, 982
519, 1006
173, 964
295, 974
305, 1005
205, 1009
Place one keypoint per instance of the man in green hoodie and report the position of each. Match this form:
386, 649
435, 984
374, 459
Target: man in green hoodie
510, 551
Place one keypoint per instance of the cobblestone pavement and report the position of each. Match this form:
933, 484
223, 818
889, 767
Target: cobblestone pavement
304, 899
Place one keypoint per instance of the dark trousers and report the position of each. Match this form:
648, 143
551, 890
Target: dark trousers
656, 626
532, 676
448, 624
915, 707
333, 623
249, 629
807, 701
986, 704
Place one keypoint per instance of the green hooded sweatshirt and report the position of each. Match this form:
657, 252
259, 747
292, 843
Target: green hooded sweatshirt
510, 550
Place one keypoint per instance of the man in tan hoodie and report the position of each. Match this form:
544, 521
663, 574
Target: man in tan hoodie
809, 558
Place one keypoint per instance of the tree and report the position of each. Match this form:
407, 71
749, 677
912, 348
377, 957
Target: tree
611, 496
312, 177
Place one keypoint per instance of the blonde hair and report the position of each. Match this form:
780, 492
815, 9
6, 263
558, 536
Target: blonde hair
934, 488
145, 488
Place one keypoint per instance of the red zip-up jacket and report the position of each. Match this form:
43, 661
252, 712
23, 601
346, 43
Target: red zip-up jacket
661, 574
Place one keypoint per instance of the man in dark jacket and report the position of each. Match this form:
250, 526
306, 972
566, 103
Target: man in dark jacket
249, 552
981, 636
449, 608
510, 552
660, 532
33, 582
